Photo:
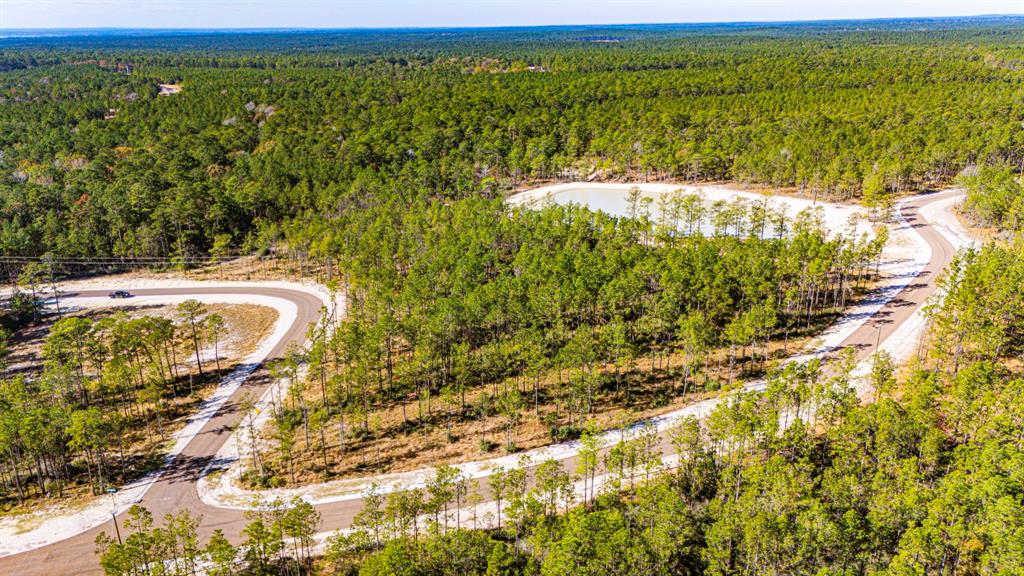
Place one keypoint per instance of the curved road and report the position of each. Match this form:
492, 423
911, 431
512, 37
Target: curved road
176, 490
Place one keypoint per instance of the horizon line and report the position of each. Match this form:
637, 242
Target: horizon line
497, 26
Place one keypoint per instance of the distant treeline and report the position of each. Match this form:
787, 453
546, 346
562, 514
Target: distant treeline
276, 126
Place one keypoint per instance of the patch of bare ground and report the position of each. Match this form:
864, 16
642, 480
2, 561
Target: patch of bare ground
617, 177
144, 442
235, 268
246, 268
247, 325
413, 432
984, 234
168, 89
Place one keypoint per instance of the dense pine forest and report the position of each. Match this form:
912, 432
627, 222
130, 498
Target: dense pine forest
925, 480
548, 319
290, 127
384, 158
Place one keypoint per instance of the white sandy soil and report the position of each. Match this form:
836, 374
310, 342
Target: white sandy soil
24, 532
837, 217
903, 259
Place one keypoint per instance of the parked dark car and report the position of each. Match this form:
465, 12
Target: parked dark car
120, 294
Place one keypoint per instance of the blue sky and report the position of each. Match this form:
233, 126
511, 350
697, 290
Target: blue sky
412, 13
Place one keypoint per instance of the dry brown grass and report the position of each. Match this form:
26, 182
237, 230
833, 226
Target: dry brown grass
247, 325
253, 268
399, 440
243, 268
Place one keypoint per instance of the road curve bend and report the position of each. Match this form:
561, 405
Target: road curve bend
176, 488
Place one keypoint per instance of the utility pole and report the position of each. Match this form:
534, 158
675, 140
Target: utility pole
113, 513
53, 285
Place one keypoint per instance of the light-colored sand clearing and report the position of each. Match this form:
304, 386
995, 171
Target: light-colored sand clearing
18, 534
168, 89
904, 257
611, 198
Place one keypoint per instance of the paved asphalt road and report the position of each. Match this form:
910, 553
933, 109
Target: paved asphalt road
176, 490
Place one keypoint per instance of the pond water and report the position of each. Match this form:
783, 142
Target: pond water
615, 201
